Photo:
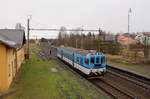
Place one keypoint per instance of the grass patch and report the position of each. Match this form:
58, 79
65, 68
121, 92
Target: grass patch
38, 81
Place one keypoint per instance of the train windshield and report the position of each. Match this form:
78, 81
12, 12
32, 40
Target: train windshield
97, 60
92, 60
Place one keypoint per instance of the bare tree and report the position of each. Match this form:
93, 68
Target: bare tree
63, 31
89, 35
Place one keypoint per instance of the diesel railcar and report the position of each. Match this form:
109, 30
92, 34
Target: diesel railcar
88, 62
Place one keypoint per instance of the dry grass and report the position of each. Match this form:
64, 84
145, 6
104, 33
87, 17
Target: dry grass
130, 64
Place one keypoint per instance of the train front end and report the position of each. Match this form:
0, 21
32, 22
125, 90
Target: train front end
96, 63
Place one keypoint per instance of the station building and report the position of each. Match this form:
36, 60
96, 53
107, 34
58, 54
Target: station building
12, 46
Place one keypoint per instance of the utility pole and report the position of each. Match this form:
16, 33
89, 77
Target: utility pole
128, 46
128, 22
28, 29
82, 38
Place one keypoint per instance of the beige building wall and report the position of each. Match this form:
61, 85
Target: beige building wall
10, 61
3, 68
20, 57
11, 64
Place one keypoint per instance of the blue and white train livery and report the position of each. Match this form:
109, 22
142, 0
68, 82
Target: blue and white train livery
88, 62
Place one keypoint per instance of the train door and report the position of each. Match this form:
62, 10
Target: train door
62, 54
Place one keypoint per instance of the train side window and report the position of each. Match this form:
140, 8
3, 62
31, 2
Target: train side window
77, 59
92, 60
81, 60
86, 61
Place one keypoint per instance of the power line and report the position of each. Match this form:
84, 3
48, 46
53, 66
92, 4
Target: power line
48, 29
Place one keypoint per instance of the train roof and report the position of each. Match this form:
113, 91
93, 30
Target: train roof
81, 51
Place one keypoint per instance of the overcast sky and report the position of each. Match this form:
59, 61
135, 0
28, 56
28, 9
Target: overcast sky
110, 15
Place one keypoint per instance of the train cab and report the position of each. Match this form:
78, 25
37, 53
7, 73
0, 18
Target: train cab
95, 61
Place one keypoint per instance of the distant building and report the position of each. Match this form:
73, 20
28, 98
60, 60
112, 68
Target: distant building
12, 43
143, 38
146, 34
126, 39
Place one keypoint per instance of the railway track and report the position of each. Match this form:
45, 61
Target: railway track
117, 83
133, 76
145, 86
128, 74
137, 85
112, 91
